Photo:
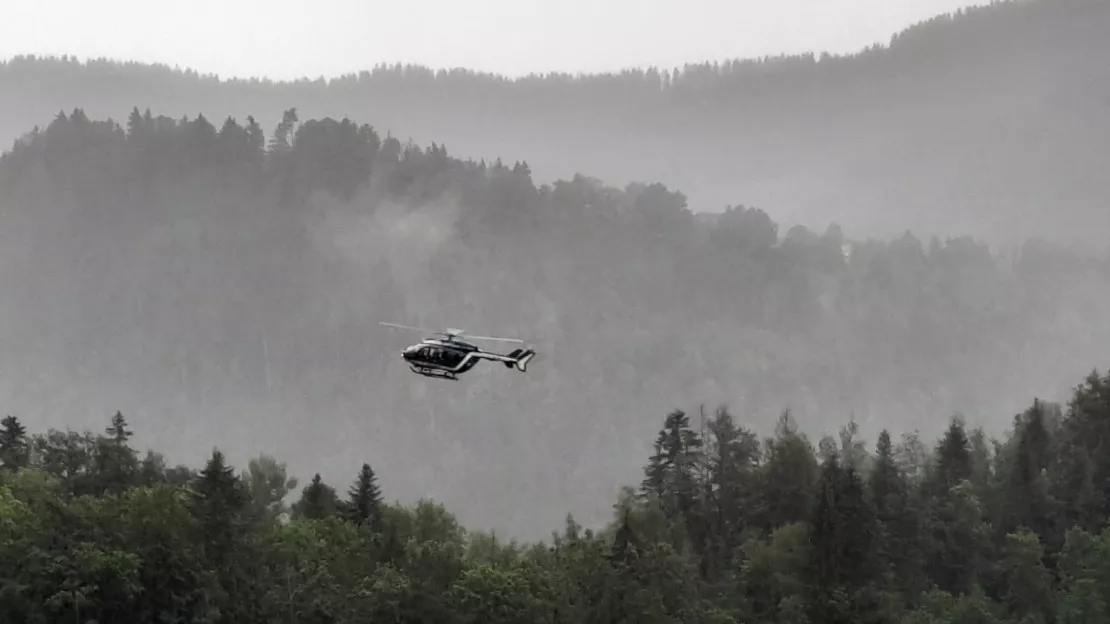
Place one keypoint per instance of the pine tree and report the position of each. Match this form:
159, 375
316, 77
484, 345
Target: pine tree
135, 126
953, 460
1027, 502
1083, 464
219, 504
282, 139
625, 543
731, 458
219, 498
844, 564
885, 479
827, 529
671, 471
898, 539
655, 473
14, 451
118, 429
673, 476
980, 461
886, 488
318, 501
256, 139
787, 477
365, 499
116, 462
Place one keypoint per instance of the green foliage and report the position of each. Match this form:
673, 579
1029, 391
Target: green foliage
13, 444
318, 501
364, 505
84, 536
268, 485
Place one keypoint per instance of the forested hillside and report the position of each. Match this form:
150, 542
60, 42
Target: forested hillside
222, 284
724, 527
994, 122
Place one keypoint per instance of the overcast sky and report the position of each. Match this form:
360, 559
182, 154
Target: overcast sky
294, 38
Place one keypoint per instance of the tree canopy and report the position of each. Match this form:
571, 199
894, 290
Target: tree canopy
724, 528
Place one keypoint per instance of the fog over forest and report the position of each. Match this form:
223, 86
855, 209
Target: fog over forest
910, 233
991, 122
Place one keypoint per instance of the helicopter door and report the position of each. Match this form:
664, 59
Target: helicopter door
436, 355
450, 358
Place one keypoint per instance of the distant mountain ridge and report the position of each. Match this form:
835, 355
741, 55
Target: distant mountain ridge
993, 122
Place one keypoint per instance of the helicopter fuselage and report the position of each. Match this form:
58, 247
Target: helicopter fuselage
446, 359
440, 358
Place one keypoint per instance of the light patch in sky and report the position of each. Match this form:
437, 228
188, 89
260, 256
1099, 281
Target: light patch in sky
285, 39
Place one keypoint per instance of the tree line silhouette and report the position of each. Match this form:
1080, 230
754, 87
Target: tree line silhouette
725, 527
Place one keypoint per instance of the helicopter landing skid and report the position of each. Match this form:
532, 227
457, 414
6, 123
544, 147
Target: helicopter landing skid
434, 373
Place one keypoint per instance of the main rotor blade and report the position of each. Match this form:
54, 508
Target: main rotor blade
452, 332
419, 329
469, 337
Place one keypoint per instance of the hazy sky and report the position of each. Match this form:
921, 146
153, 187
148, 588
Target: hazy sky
293, 38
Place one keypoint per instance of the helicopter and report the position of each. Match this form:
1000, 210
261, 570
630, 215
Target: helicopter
448, 357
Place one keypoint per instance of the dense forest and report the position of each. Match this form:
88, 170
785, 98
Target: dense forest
955, 127
724, 527
221, 285
210, 258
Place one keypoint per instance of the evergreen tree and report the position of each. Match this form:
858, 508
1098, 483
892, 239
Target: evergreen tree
1083, 462
888, 490
318, 501
787, 477
117, 464
898, 544
118, 431
365, 499
14, 450
953, 460
256, 138
135, 124
672, 470
1027, 498
955, 518
281, 140
219, 502
219, 497
1028, 594
625, 542
732, 457
845, 571
655, 473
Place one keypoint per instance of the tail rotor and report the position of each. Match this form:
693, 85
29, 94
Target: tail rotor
519, 359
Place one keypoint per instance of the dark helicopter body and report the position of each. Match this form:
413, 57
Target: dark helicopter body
449, 357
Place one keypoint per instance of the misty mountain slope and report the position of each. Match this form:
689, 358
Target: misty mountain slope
221, 287
994, 122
